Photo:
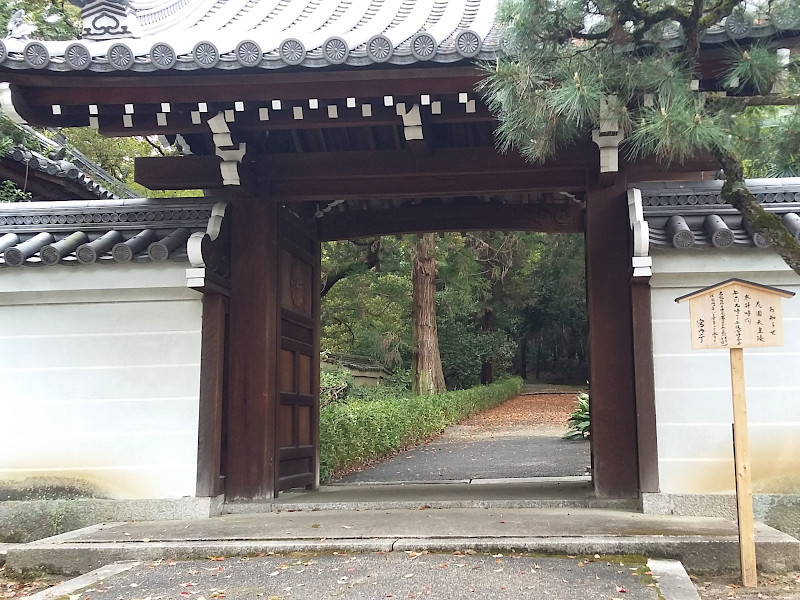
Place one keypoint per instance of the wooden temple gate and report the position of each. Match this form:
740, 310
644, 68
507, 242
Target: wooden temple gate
324, 179
306, 155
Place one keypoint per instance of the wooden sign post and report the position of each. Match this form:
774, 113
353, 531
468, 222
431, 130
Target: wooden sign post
738, 314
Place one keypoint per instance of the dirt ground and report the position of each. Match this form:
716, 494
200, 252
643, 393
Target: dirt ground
17, 587
784, 586
527, 410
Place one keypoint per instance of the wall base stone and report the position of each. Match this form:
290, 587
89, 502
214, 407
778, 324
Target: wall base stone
28, 520
781, 511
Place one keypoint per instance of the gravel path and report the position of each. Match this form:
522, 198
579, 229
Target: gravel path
519, 438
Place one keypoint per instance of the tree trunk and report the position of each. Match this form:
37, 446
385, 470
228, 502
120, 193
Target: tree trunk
767, 224
370, 261
426, 366
487, 326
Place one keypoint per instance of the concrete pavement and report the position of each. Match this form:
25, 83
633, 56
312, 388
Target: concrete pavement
384, 575
507, 453
702, 544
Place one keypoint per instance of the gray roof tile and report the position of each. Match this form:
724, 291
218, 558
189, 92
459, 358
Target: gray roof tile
697, 204
110, 231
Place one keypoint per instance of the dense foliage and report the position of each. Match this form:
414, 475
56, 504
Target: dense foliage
631, 69
514, 301
358, 431
53, 19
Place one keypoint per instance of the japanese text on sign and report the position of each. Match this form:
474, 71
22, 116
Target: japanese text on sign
736, 316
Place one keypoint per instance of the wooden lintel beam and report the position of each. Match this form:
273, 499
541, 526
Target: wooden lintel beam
443, 161
402, 185
373, 173
553, 218
178, 172
383, 174
54, 88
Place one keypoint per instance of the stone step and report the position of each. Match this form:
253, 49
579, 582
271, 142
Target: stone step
703, 544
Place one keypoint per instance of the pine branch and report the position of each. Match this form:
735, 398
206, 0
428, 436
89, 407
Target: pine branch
717, 12
370, 261
743, 102
770, 225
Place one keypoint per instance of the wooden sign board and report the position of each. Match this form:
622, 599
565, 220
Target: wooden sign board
736, 314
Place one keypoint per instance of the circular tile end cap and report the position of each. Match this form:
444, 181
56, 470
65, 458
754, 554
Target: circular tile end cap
468, 44
163, 56
77, 57
292, 51
248, 53
205, 55
120, 57
36, 55
423, 46
380, 48
336, 50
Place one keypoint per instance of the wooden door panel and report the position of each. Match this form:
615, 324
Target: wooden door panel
298, 358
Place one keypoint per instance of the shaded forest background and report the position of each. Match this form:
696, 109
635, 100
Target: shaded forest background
506, 302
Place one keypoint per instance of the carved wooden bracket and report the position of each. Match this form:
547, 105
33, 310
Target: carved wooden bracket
231, 156
209, 254
641, 261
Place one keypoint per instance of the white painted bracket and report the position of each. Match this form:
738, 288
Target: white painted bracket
784, 54
7, 104
642, 263
220, 130
609, 150
230, 164
412, 122
609, 124
194, 245
231, 157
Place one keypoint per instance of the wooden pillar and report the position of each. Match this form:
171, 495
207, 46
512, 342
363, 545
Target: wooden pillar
645, 384
212, 390
611, 368
250, 472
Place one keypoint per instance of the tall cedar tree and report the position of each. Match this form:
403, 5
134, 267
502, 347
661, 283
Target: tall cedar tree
426, 363
573, 66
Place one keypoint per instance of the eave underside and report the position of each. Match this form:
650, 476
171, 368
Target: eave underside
354, 153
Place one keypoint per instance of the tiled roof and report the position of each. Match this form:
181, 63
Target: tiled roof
78, 176
151, 35
694, 216
35, 162
85, 232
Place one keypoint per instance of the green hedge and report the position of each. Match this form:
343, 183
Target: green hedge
357, 431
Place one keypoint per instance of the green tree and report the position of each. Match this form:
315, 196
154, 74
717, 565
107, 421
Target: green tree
632, 67
54, 19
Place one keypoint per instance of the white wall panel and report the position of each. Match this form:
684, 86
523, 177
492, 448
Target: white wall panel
693, 397
100, 386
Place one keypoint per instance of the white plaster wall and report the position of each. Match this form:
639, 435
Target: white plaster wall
693, 390
99, 378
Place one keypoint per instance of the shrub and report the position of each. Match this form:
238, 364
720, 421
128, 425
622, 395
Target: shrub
334, 385
357, 431
579, 423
